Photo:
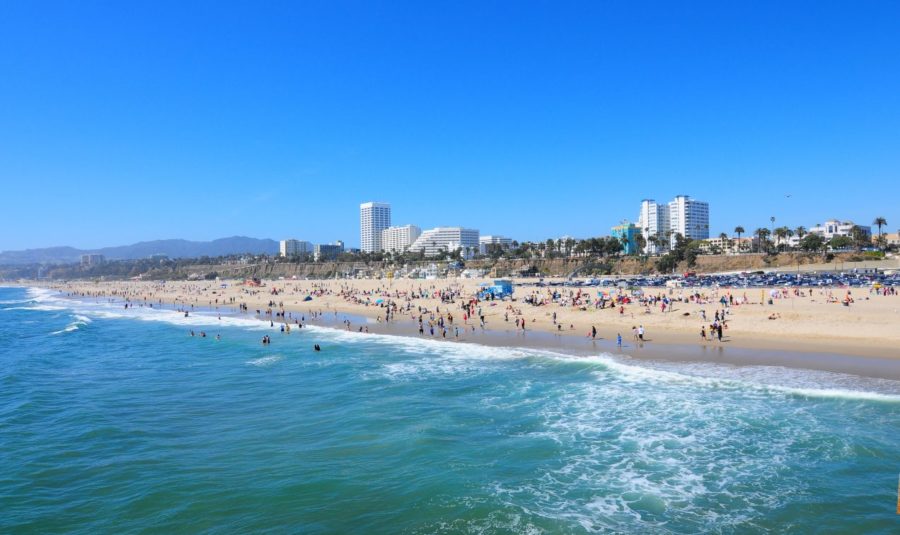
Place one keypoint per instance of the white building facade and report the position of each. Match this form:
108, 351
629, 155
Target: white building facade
653, 222
432, 242
294, 247
374, 217
835, 227
484, 243
662, 222
689, 218
399, 239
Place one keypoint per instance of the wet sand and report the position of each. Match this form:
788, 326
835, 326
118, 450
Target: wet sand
712, 352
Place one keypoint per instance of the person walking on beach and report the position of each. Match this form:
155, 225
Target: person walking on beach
641, 333
619, 340
593, 332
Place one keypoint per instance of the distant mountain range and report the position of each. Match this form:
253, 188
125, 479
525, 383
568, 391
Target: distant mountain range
170, 248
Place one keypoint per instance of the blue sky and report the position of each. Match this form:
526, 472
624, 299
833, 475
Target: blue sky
123, 122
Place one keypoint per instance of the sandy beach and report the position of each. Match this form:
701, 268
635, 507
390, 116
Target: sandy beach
813, 325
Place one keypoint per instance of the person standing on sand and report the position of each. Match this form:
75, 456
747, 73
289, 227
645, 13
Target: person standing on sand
593, 332
619, 339
641, 333
703, 332
634, 332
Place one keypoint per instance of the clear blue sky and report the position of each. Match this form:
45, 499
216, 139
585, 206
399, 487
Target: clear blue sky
129, 121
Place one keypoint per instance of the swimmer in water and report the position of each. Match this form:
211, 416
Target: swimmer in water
317, 348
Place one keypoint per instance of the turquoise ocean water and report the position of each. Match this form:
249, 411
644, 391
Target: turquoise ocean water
117, 421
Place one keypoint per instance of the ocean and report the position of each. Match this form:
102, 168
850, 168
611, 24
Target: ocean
116, 420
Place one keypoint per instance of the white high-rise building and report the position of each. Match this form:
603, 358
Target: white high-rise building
654, 223
662, 222
689, 218
399, 239
374, 217
449, 239
294, 247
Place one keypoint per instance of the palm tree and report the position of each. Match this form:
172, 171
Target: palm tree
761, 233
880, 222
781, 233
669, 239
739, 230
800, 231
641, 242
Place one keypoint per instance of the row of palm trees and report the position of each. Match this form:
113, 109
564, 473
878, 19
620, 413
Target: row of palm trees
782, 234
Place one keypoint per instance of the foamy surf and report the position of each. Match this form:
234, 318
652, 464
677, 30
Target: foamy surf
265, 361
806, 383
79, 321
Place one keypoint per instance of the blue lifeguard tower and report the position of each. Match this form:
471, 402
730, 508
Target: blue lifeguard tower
500, 289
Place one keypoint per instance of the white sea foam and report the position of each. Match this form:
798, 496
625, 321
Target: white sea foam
78, 322
68, 328
44, 308
644, 451
263, 362
116, 310
774, 379
42, 294
765, 379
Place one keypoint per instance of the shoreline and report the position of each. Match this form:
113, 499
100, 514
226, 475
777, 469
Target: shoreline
567, 343
649, 351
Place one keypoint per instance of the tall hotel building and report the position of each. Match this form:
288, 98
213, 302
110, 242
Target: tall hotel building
689, 218
682, 215
653, 222
374, 217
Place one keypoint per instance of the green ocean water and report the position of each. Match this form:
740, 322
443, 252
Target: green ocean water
117, 421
